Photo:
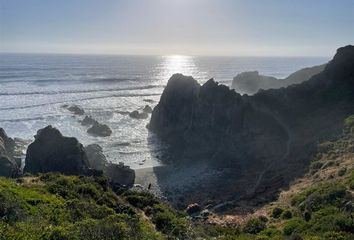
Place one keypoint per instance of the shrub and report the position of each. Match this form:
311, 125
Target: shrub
342, 171
254, 226
277, 212
286, 214
294, 225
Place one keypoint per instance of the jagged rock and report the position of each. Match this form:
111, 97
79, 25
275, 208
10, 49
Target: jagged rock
76, 110
273, 130
88, 120
252, 82
98, 129
121, 174
138, 115
147, 109
53, 152
97, 160
193, 208
8, 165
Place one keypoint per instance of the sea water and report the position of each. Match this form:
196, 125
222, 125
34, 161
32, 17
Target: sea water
34, 87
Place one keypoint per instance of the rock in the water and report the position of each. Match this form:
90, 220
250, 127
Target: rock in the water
97, 160
98, 129
193, 208
8, 165
121, 174
76, 110
87, 121
147, 109
53, 152
138, 115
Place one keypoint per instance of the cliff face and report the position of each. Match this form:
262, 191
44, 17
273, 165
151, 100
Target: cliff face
270, 136
252, 82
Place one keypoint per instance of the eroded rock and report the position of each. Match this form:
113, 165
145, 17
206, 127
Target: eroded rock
53, 152
120, 173
100, 130
138, 115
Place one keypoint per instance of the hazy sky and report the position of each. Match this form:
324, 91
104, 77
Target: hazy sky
192, 27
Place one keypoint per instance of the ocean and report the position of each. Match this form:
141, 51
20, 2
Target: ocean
33, 88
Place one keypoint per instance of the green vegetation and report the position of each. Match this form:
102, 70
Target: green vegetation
57, 207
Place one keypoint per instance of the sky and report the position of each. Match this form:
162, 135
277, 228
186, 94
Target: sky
185, 27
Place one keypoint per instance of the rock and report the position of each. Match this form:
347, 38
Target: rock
97, 160
8, 165
101, 130
147, 109
193, 209
263, 133
138, 115
121, 174
252, 82
76, 110
53, 152
88, 120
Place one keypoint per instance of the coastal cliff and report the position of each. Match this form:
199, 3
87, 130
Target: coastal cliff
251, 82
259, 142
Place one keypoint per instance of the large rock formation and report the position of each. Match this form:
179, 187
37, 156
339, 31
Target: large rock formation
8, 165
252, 82
100, 130
120, 173
258, 142
53, 152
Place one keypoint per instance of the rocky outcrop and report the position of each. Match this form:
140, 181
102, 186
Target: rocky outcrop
252, 82
270, 135
98, 129
120, 173
88, 121
96, 158
138, 115
76, 110
8, 165
147, 109
53, 152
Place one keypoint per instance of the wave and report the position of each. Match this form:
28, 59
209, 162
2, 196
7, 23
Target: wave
30, 119
6, 79
78, 100
80, 91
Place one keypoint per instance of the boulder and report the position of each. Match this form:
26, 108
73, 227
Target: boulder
121, 174
138, 115
97, 160
147, 109
53, 152
8, 165
100, 130
87, 121
76, 110
193, 209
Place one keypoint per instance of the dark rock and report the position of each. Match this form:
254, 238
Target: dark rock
138, 115
97, 160
193, 209
52, 152
147, 109
252, 82
8, 165
88, 120
121, 174
76, 110
98, 129
273, 131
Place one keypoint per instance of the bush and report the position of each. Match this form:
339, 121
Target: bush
286, 214
277, 212
294, 225
254, 226
342, 171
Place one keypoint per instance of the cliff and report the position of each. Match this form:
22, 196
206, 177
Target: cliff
251, 82
259, 142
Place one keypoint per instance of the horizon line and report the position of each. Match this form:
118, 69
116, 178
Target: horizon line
159, 55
